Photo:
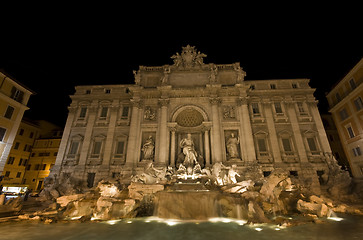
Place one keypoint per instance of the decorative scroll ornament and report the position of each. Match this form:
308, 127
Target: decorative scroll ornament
188, 58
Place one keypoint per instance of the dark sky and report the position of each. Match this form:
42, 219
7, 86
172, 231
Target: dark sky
53, 50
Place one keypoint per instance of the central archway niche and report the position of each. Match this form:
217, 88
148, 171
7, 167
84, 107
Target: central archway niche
194, 120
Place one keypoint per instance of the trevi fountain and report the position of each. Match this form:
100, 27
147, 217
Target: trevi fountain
193, 151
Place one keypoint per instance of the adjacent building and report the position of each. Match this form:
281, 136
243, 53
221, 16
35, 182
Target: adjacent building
42, 159
334, 141
115, 130
13, 100
346, 106
32, 154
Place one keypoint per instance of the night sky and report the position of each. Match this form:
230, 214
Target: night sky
52, 51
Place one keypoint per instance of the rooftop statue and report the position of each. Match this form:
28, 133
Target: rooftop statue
188, 58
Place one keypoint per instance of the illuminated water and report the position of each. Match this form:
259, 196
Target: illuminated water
147, 228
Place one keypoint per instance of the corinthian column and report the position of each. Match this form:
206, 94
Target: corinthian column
206, 146
172, 146
163, 133
216, 131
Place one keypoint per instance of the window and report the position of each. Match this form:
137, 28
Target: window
90, 179
9, 112
294, 173
252, 87
104, 111
107, 91
17, 95
261, 145
28, 167
44, 154
312, 146
125, 112
20, 162
82, 113
273, 86
16, 146
119, 148
358, 103
11, 160
2, 133
286, 145
357, 152
350, 131
337, 96
255, 109
352, 84
7, 174
31, 135
278, 108
294, 85
343, 114
301, 108
88, 91
18, 175
21, 132
96, 148
44, 166
74, 148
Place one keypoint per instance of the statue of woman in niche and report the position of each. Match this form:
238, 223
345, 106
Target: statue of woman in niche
232, 146
148, 149
190, 160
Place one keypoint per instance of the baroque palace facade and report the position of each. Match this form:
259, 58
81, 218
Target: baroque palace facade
117, 129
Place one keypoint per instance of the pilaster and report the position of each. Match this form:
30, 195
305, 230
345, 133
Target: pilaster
296, 131
246, 128
65, 139
110, 133
88, 134
132, 148
272, 131
319, 125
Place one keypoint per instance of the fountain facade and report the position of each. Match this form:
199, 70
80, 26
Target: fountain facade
193, 130
198, 114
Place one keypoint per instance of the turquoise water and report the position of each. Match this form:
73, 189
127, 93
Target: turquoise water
350, 228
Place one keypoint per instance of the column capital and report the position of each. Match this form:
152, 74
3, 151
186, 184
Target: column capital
114, 108
163, 102
215, 100
242, 101
172, 126
72, 109
137, 103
